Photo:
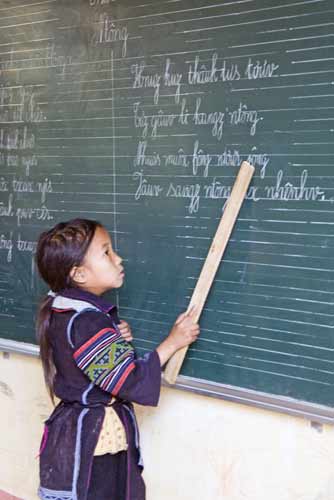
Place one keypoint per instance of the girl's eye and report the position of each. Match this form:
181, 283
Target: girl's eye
107, 252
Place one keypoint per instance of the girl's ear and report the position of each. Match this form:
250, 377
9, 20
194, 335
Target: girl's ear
78, 275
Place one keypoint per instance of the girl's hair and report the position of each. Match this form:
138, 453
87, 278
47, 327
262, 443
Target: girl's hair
58, 251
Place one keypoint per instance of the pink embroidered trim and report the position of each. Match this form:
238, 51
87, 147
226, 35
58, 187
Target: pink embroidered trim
44, 440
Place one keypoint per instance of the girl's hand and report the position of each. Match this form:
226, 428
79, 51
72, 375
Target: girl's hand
125, 331
184, 332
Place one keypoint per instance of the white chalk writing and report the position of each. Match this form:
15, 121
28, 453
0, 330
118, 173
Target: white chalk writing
142, 159
145, 188
25, 245
289, 191
259, 70
177, 160
172, 80
141, 80
49, 58
216, 119
17, 138
96, 3
7, 244
243, 115
10, 160
27, 213
201, 74
200, 160
28, 186
109, 32
189, 191
19, 105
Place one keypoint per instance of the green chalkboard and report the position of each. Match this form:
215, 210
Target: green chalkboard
139, 114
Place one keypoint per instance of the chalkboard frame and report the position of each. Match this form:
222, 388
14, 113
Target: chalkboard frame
281, 404
243, 93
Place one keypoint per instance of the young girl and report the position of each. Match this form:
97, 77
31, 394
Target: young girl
90, 448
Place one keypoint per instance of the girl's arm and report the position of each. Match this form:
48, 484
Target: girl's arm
110, 362
143, 383
183, 333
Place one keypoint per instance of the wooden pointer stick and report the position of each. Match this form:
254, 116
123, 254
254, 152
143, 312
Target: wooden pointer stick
212, 261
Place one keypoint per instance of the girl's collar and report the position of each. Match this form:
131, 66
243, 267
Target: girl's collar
74, 298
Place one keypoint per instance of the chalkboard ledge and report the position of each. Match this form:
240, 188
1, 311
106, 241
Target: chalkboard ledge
310, 411
281, 404
18, 347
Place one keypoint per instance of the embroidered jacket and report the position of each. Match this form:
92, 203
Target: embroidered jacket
93, 363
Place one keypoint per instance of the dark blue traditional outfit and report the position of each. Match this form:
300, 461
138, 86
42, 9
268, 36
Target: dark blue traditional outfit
93, 363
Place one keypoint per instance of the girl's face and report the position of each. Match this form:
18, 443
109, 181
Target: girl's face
101, 269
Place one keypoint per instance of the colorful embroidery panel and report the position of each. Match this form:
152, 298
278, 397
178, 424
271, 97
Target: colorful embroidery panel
107, 359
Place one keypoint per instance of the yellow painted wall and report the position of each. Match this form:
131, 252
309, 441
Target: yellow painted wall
195, 448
